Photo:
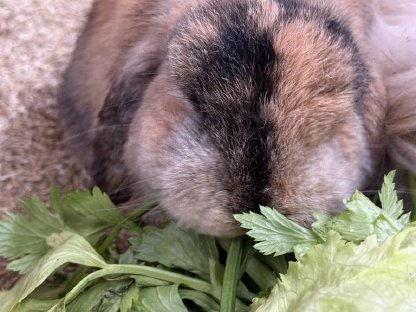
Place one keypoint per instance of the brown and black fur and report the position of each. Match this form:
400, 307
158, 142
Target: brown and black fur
216, 107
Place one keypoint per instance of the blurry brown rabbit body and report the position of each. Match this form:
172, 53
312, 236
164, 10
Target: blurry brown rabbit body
216, 107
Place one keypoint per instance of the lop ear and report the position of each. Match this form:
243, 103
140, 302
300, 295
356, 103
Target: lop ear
114, 119
393, 38
400, 125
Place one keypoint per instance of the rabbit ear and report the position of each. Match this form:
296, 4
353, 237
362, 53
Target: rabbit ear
400, 122
394, 44
114, 119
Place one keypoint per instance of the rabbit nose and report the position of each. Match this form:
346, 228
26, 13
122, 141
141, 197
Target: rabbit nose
251, 201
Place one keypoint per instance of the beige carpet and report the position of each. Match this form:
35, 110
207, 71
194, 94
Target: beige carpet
36, 39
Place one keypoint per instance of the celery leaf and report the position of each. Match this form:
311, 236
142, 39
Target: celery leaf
160, 299
388, 197
23, 236
88, 213
175, 248
275, 233
116, 295
67, 247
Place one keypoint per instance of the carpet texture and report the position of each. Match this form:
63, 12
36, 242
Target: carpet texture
36, 40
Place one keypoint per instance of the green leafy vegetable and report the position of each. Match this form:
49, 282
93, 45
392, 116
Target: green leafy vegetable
23, 237
161, 299
231, 276
35, 305
341, 276
359, 260
53, 239
278, 235
64, 235
126, 271
388, 197
260, 273
89, 213
175, 248
67, 248
204, 301
106, 296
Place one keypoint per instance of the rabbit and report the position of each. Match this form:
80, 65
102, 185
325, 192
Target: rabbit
215, 107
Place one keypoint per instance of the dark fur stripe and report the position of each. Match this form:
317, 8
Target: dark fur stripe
242, 57
115, 117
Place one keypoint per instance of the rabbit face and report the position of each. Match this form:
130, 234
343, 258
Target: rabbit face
256, 103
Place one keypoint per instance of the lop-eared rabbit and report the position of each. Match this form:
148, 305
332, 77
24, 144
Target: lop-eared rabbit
214, 107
